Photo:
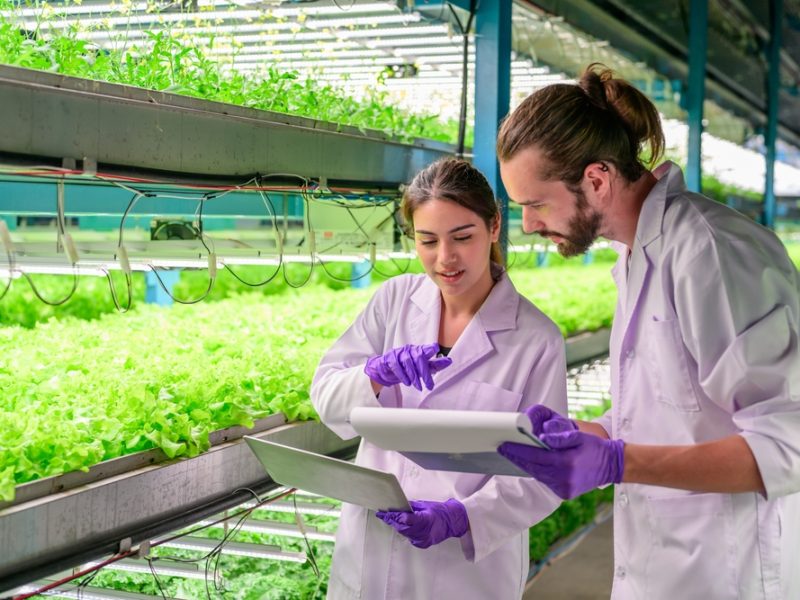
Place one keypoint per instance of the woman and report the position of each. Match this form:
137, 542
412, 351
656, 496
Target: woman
468, 534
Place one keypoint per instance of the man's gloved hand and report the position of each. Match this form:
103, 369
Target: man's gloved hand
430, 523
577, 463
546, 420
410, 365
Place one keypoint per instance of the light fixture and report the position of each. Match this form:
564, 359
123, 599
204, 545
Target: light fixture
355, 21
73, 591
304, 508
415, 41
164, 568
251, 550
278, 529
392, 31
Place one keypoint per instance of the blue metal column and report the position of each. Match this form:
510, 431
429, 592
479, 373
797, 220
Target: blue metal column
492, 92
698, 41
773, 87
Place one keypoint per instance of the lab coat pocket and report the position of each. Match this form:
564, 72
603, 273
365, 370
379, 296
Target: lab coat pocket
670, 370
694, 547
484, 396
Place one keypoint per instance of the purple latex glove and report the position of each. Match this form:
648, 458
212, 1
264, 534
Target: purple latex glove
546, 420
409, 365
577, 463
430, 523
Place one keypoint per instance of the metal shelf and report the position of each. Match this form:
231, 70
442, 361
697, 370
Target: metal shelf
46, 534
126, 130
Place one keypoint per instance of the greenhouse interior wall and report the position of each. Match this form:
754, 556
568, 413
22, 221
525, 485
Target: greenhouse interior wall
174, 264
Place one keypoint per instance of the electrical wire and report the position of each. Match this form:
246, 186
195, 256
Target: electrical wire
273, 216
462, 120
301, 524
93, 570
10, 256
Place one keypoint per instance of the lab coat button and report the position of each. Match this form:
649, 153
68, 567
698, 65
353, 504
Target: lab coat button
622, 500
625, 423
630, 354
620, 572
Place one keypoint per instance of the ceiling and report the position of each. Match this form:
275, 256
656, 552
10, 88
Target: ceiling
657, 34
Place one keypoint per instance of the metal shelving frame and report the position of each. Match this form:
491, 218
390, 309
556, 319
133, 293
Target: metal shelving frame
57, 120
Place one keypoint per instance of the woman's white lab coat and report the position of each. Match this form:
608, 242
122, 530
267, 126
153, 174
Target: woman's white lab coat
705, 345
509, 357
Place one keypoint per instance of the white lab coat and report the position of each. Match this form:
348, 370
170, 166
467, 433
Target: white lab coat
705, 345
509, 357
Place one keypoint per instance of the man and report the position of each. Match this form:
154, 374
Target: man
703, 438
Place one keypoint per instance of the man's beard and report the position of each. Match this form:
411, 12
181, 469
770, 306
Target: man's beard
584, 228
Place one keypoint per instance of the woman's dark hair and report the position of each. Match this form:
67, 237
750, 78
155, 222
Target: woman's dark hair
602, 119
458, 181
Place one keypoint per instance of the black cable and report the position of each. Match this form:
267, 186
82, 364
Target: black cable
462, 120
271, 212
306, 201
10, 256
301, 524
155, 576
53, 302
129, 284
179, 301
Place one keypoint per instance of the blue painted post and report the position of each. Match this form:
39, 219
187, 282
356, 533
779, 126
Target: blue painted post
773, 87
541, 258
492, 94
698, 42
360, 274
155, 294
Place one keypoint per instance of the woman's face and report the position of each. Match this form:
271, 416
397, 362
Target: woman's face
453, 243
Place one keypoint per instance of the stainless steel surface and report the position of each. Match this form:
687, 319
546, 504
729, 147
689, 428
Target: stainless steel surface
44, 535
585, 346
124, 129
124, 464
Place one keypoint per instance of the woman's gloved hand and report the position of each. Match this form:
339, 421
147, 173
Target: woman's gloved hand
410, 365
546, 420
577, 462
430, 522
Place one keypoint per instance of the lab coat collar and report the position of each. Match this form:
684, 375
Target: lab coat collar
632, 280
498, 311
651, 218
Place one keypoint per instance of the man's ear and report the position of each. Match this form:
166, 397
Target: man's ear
597, 181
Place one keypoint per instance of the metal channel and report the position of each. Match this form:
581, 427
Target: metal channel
125, 464
48, 117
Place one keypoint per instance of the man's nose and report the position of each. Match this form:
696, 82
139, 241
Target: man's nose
530, 222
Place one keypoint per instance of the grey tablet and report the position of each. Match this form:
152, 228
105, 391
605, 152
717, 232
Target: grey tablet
328, 476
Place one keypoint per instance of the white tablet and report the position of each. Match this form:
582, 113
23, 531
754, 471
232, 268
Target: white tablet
447, 440
328, 476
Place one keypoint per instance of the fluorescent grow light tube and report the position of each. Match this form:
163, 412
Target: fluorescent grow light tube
163, 568
277, 529
199, 544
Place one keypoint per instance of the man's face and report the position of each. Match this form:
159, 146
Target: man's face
550, 208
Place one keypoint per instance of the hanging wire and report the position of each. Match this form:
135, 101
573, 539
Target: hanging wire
309, 234
462, 119
270, 208
10, 256
112, 287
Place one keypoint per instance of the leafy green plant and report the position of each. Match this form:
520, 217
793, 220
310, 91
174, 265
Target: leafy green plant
169, 60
